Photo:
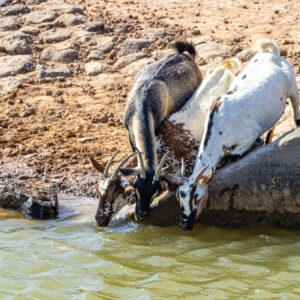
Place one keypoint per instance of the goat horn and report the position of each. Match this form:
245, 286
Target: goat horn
142, 166
198, 176
117, 170
182, 169
158, 170
109, 163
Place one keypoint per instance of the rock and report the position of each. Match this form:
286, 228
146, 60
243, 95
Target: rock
10, 23
245, 55
40, 16
135, 67
75, 10
35, 2
96, 68
34, 201
132, 45
30, 30
72, 20
106, 44
10, 65
16, 10
5, 2
261, 188
209, 51
126, 60
57, 36
59, 71
159, 54
64, 55
96, 55
158, 32
8, 86
93, 26
18, 43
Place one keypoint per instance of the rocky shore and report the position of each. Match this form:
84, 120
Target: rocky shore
66, 68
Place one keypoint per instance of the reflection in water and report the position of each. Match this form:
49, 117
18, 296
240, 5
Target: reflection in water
71, 258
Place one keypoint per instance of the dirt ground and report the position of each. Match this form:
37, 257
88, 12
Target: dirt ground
49, 127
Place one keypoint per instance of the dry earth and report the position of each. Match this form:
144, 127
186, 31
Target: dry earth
66, 68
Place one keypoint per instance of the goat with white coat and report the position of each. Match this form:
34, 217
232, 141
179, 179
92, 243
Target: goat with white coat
254, 103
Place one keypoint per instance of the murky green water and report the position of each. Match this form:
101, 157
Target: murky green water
70, 258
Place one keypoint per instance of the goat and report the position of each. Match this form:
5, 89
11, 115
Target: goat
254, 103
159, 90
178, 134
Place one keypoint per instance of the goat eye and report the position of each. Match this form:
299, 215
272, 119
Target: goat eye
182, 194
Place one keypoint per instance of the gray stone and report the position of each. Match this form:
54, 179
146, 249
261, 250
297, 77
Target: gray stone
30, 30
5, 2
96, 68
158, 32
72, 20
209, 51
106, 44
261, 188
18, 48
10, 23
245, 55
132, 45
35, 2
57, 36
159, 54
19, 64
34, 201
18, 43
96, 55
40, 16
16, 10
75, 10
8, 86
59, 71
64, 55
126, 60
93, 26
135, 67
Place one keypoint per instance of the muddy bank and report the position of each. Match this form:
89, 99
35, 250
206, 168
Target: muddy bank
261, 188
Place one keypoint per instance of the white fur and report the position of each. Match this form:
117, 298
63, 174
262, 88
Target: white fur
257, 102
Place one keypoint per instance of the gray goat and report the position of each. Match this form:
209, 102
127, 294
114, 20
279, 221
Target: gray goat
159, 90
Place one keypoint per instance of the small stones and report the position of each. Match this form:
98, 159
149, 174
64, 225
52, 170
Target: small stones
8, 86
29, 112
57, 36
132, 45
95, 68
126, 60
10, 65
64, 56
245, 55
16, 10
75, 10
59, 71
106, 44
96, 55
85, 140
93, 26
40, 16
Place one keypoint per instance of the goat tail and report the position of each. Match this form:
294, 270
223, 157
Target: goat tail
185, 46
233, 64
265, 45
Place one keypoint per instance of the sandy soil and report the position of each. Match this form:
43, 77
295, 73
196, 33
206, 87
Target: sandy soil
50, 127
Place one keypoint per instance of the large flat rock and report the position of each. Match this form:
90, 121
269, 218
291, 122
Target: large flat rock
261, 188
34, 201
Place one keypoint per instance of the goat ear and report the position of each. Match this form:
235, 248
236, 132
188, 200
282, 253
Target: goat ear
96, 165
206, 179
129, 171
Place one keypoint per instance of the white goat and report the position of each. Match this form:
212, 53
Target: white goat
254, 103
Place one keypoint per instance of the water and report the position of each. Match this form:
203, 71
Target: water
71, 258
